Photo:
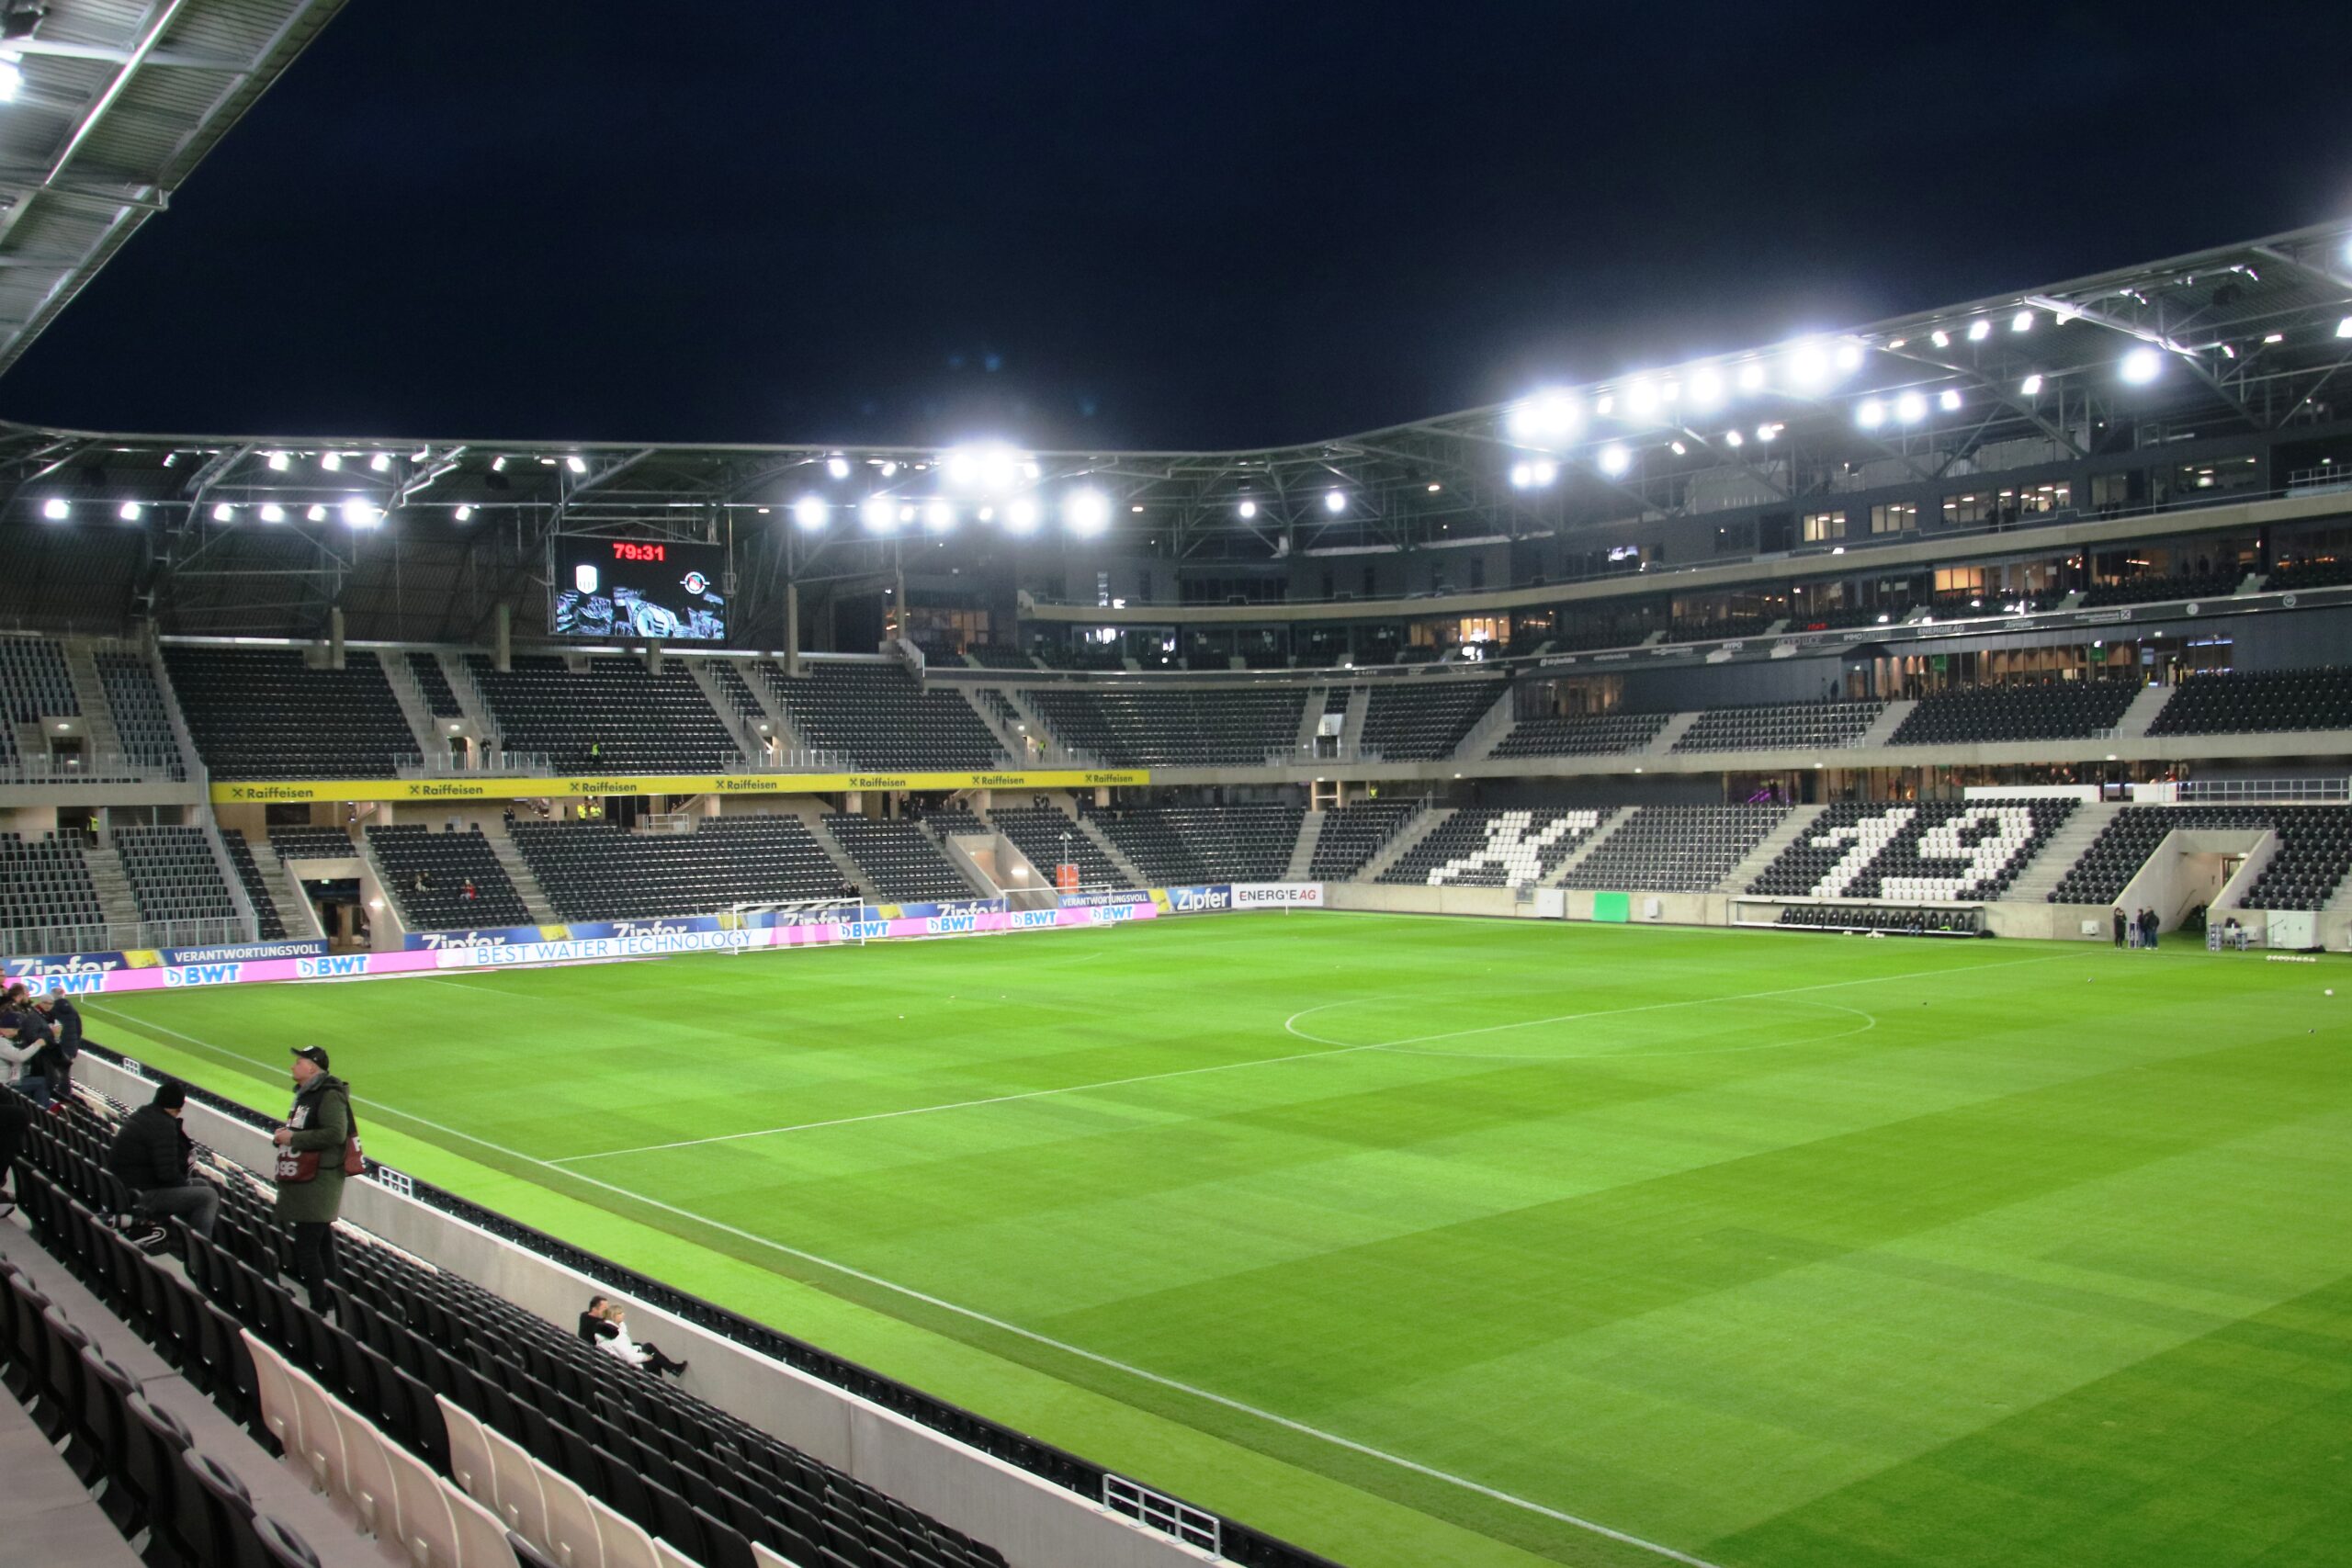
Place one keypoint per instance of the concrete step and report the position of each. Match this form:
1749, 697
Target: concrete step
471, 702
295, 910
408, 694
2133, 725
1493, 727
1302, 855
850, 872
1677, 726
90, 692
1351, 731
518, 872
1737, 879
1416, 828
1102, 840
1882, 727
747, 742
112, 885
2065, 847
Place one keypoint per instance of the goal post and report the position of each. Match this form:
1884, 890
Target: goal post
844, 913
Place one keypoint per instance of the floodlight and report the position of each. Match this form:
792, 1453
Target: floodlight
1615, 459
1979, 329
1910, 408
1021, 515
1435, 487
2343, 327
939, 517
879, 514
963, 469
1607, 404
222, 512
1950, 400
1086, 512
1849, 356
1766, 432
56, 509
889, 471
130, 511
497, 463
358, 513
576, 463
1521, 475
1707, 388
1335, 500
2022, 322
1871, 415
1544, 472
811, 511
11, 81
1751, 375
1940, 338
2031, 385
2141, 365
1808, 366
273, 512
465, 514
380, 463
317, 513
1549, 413
987, 514
1641, 398
1680, 449
1247, 510
906, 513
333, 461
279, 462
837, 466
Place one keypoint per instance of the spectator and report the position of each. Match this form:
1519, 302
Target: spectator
615, 1341
313, 1151
466, 892
2118, 925
23, 1034
593, 1326
15, 1117
56, 1059
151, 1154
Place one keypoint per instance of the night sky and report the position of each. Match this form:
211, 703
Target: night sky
1188, 224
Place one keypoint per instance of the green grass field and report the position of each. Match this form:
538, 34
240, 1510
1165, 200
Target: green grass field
1425, 1241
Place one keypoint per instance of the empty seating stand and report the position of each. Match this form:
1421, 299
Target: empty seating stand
2314, 851
2056, 710
262, 712
614, 716
1582, 735
1479, 847
874, 714
896, 861
596, 872
1048, 836
428, 875
172, 874
313, 843
1420, 720
2230, 702
1202, 844
1941, 852
2150, 590
46, 896
140, 720
1353, 834
241, 856
1799, 727
1183, 727
34, 683
1674, 849
440, 697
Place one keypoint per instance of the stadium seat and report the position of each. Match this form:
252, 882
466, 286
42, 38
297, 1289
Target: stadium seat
482, 1541
521, 1502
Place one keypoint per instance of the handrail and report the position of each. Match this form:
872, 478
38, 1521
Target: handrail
479, 762
98, 936
111, 767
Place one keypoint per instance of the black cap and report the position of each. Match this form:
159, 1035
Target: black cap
169, 1095
315, 1054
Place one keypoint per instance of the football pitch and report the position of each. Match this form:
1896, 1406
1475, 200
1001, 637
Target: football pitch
1422, 1241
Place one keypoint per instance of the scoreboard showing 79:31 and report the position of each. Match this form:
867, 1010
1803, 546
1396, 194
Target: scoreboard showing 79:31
640, 588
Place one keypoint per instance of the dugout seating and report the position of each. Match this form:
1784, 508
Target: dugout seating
1187, 728
241, 856
172, 874
897, 863
140, 721
418, 1372
1478, 847
2055, 710
440, 697
2314, 851
2227, 702
616, 717
1794, 727
1172, 844
1941, 852
1353, 834
45, 886
597, 871
34, 681
1422, 720
1674, 849
313, 843
1581, 735
262, 712
1038, 832
2149, 590
446, 862
1893, 920
877, 716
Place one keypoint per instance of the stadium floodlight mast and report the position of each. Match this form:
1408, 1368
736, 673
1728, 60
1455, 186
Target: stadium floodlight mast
1615, 459
279, 462
331, 461
2141, 365
273, 512
318, 513
1021, 515
1335, 500
837, 466
1246, 510
939, 517
2031, 386
1087, 511
359, 512
222, 512
382, 463
576, 463
811, 511
880, 514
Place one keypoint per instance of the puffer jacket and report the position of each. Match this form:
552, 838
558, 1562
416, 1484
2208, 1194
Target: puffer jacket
321, 1122
150, 1150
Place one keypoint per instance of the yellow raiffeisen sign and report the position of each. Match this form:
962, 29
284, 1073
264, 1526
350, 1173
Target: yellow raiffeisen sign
234, 794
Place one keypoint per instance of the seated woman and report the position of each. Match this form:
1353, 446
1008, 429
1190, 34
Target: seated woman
605, 1325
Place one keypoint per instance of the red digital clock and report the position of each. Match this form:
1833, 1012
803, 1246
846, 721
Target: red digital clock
624, 550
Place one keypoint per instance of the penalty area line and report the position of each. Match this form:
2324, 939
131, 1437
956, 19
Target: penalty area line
974, 1315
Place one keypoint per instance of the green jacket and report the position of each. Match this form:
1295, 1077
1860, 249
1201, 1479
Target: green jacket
321, 1122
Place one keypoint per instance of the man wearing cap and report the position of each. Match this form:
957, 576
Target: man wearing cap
309, 1191
151, 1154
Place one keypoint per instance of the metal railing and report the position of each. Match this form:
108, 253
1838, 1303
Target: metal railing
1303, 756
102, 937
790, 759
491, 761
2267, 792
110, 769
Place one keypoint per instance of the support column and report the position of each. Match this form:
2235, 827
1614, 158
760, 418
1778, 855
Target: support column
335, 637
792, 630
501, 639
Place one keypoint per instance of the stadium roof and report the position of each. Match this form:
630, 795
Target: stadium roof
105, 107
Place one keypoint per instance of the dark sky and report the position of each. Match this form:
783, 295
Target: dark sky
1115, 223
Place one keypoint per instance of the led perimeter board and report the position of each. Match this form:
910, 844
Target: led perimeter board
640, 588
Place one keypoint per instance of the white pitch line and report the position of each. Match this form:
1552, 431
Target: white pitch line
974, 1315
1337, 1048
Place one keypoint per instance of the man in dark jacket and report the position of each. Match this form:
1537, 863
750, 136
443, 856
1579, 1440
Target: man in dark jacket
62, 1021
319, 1125
151, 1154
2118, 925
